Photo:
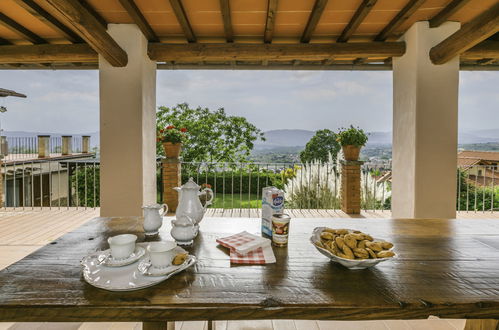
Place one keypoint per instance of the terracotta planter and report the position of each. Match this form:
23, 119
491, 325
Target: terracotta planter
351, 152
172, 150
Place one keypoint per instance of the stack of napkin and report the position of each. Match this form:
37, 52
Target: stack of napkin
246, 248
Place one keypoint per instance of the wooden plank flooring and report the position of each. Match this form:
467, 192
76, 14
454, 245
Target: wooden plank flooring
24, 231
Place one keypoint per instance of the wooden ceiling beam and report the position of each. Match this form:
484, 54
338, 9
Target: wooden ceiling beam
271, 52
94, 13
470, 34
179, 11
357, 18
34, 9
406, 12
485, 49
447, 12
47, 53
225, 9
313, 20
270, 22
139, 19
90, 29
21, 30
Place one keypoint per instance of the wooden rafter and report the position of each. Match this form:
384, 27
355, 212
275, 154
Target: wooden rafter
406, 12
5, 42
94, 13
21, 30
447, 12
34, 9
472, 33
485, 49
47, 53
139, 19
270, 22
225, 9
90, 29
357, 18
179, 11
271, 52
313, 19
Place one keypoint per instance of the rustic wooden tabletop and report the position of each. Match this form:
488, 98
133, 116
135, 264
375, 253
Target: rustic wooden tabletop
448, 268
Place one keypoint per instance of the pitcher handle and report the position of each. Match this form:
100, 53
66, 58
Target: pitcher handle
165, 210
208, 201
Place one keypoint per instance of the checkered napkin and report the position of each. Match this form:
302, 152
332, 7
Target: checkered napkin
246, 248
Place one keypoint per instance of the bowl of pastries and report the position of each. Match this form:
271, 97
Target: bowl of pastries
351, 248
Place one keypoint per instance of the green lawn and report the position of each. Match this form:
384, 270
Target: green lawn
229, 201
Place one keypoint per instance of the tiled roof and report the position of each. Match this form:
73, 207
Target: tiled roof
480, 155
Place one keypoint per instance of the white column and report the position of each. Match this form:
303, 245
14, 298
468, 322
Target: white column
127, 127
425, 105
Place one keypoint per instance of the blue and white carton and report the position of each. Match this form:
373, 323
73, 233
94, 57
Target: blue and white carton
272, 203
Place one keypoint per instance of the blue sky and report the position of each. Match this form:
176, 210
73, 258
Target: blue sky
67, 101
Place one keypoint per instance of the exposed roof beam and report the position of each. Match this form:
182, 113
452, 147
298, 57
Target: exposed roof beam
473, 32
5, 42
270, 22
447, 12
179, 11
313, 19
47, 53
356, 20
21, 30
225, 9
94, 13
90, 29
406, 12
139, 19
34, 9
271, 52
485, 49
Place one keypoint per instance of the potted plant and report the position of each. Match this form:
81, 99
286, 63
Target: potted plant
171, 138
351, 140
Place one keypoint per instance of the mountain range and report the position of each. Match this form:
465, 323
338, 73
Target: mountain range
299, 137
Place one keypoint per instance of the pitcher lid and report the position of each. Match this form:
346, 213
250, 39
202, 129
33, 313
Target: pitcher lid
191, 184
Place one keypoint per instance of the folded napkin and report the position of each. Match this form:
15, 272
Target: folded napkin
246, 248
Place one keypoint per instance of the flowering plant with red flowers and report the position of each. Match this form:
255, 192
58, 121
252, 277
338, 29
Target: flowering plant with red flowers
171, 134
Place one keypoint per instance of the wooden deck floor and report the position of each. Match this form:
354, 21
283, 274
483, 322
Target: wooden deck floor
24, 231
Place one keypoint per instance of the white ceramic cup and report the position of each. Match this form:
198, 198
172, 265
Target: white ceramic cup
161, 254
122, 246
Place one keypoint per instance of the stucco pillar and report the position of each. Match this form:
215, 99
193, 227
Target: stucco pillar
66, 148
127, 127
425, 105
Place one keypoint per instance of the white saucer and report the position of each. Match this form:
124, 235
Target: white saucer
106, 259
146, 268
126, 278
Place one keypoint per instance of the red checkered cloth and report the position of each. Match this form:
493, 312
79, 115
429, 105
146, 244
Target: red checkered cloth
246, 248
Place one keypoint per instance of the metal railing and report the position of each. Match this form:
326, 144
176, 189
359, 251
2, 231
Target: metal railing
477, 189
52, 183
26, 147
75, 182
306, 186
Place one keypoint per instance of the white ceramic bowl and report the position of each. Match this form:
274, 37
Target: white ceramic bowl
351, 264
122, 246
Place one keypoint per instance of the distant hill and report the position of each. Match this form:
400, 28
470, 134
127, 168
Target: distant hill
300, 137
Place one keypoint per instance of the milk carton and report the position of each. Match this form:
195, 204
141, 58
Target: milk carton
272, 203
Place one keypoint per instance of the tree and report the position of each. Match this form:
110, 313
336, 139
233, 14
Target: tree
212, 136
320, 146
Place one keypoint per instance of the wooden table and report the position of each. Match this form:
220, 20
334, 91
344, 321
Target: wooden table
448, 268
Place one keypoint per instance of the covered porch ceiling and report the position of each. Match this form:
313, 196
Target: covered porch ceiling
241, 34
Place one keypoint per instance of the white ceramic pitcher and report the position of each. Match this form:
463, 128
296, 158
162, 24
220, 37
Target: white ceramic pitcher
153, 217
189, 203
